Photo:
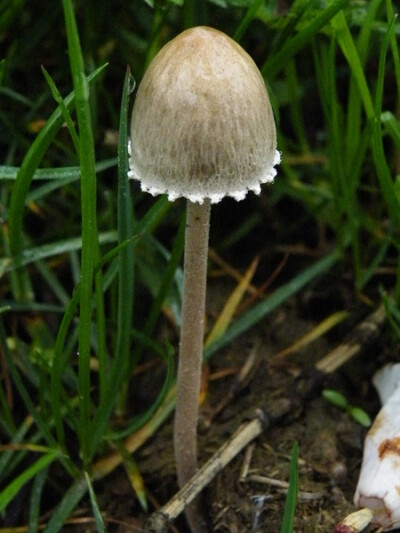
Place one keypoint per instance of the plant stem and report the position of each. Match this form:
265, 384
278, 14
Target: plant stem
191, 347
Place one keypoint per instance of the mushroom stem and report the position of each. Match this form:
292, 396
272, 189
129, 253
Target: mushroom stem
191, 348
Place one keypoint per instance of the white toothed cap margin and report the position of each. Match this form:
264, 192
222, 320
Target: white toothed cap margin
202, 124
378, 486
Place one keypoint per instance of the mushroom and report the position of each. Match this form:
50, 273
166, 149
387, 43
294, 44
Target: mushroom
378, 487
202, 129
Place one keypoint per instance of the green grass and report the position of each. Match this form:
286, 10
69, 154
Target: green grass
90, 267
291, 497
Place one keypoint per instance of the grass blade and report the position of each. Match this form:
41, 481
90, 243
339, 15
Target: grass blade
45, 251
36, 497
291, 497
164, 287
100, 420
70, 500
30, 164
66, 114
9, 493
142, 419
293, 45
247, 19
95, 507
395, 48
89, 223
134, 476
346, 43
384, 176
40, 421
2, 63
125, 226
225, 317
9, 173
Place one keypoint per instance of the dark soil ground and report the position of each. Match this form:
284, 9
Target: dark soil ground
248, 496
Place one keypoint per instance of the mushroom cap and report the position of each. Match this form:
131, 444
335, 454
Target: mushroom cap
202, 124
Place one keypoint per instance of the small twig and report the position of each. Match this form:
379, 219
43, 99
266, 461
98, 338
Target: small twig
241, 380
363, 334
158, 522
265, 480
283, 486
246, 462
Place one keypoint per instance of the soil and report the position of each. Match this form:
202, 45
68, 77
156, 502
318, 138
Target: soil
248, 496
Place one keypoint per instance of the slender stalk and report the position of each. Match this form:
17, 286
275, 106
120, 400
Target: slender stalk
191, 348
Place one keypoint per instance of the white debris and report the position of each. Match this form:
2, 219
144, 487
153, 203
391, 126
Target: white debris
378, 486
355, 522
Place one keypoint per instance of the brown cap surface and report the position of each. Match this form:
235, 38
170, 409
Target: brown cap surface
202, 124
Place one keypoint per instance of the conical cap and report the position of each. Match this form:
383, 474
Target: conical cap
202, 124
